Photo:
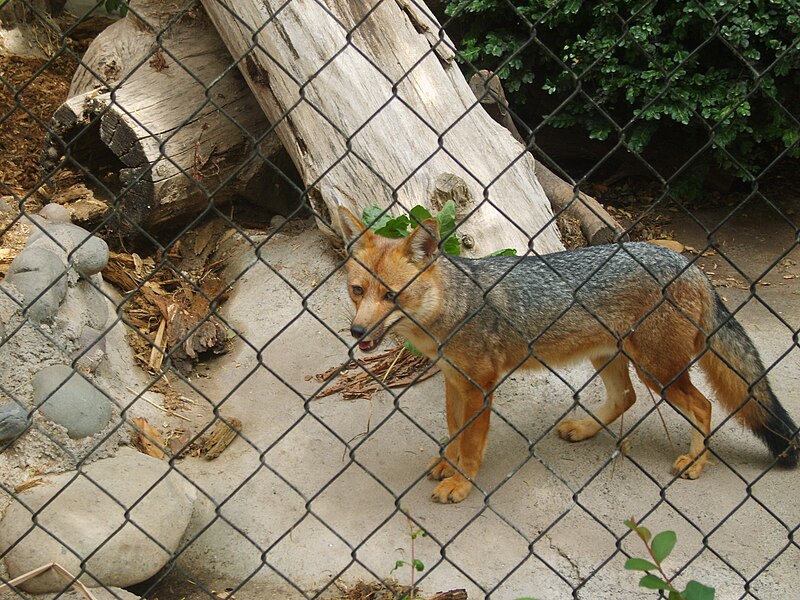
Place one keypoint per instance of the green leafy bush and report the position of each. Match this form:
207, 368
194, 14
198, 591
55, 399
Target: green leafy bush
727, 69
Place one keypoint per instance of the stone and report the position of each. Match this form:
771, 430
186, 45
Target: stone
13, 421
39, 277
81, 516
91, 349
67, 398
91, 256
88, 253
55, 213
95, 302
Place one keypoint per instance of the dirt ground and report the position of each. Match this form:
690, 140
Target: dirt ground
315, 486
291, 487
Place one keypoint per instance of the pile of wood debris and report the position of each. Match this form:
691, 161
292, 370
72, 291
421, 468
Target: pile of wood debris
170, 311
363, 377
178, 442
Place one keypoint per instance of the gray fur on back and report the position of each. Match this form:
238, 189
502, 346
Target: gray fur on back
531, 293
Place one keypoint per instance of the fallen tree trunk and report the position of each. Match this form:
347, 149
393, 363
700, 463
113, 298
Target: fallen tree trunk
157, 123
597, 226
372, 108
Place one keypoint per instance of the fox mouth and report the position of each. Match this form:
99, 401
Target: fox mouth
375, 339
371, 344
371, 340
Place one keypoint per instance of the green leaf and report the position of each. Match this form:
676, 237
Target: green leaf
374, 217
676, 595
639, 564
504, 252
420, 213
447, 219
418, 564
698, 591
452, 245
651, 582
642, 532
396, 227
411, 348
663, 544
398, 564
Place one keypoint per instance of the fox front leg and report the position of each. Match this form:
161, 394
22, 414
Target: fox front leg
468, 415
445, 466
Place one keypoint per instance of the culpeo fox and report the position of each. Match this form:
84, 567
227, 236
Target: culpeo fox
613, 304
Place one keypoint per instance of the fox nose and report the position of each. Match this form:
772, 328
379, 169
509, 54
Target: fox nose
358, 331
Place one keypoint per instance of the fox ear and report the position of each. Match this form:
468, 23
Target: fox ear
423, 242
352, 228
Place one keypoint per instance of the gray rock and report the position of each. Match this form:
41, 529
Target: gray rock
88, 253
55, 213
38, 273
13, 421
67, 398
77, 520
8, 204
96, 304
91, 256
91, 348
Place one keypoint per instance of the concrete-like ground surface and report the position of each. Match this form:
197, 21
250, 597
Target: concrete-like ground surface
313, 492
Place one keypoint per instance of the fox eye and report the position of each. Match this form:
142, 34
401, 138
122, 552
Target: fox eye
390, 296
357, 290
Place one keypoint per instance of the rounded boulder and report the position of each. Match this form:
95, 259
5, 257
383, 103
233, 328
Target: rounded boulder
121, 517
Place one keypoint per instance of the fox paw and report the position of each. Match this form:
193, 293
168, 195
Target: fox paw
577, 430
689, 467
440, 468
451, 490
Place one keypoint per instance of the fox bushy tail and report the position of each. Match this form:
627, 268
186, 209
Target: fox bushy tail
734, 368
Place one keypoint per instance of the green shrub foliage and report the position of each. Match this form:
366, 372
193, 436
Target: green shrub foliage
727, 69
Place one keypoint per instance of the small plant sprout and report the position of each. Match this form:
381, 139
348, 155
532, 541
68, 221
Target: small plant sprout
659, 548
415, 565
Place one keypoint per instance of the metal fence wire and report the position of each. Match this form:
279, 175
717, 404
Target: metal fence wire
320, 496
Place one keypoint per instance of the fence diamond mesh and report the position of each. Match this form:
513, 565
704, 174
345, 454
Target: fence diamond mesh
193, 407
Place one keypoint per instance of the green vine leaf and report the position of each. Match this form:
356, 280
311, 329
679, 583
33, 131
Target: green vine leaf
663, 544
639, 564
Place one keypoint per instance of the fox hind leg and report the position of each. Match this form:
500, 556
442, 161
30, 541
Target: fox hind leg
620, 396
697, 409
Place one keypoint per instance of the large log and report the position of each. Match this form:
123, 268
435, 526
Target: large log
372, 108
159, 120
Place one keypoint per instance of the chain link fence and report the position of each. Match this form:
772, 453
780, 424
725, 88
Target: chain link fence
216, 351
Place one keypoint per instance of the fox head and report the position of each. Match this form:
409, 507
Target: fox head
392, 282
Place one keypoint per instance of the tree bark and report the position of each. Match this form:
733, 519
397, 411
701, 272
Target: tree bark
597, 226
372, 108
158, 124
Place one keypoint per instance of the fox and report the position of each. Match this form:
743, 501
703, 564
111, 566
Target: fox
616, 305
